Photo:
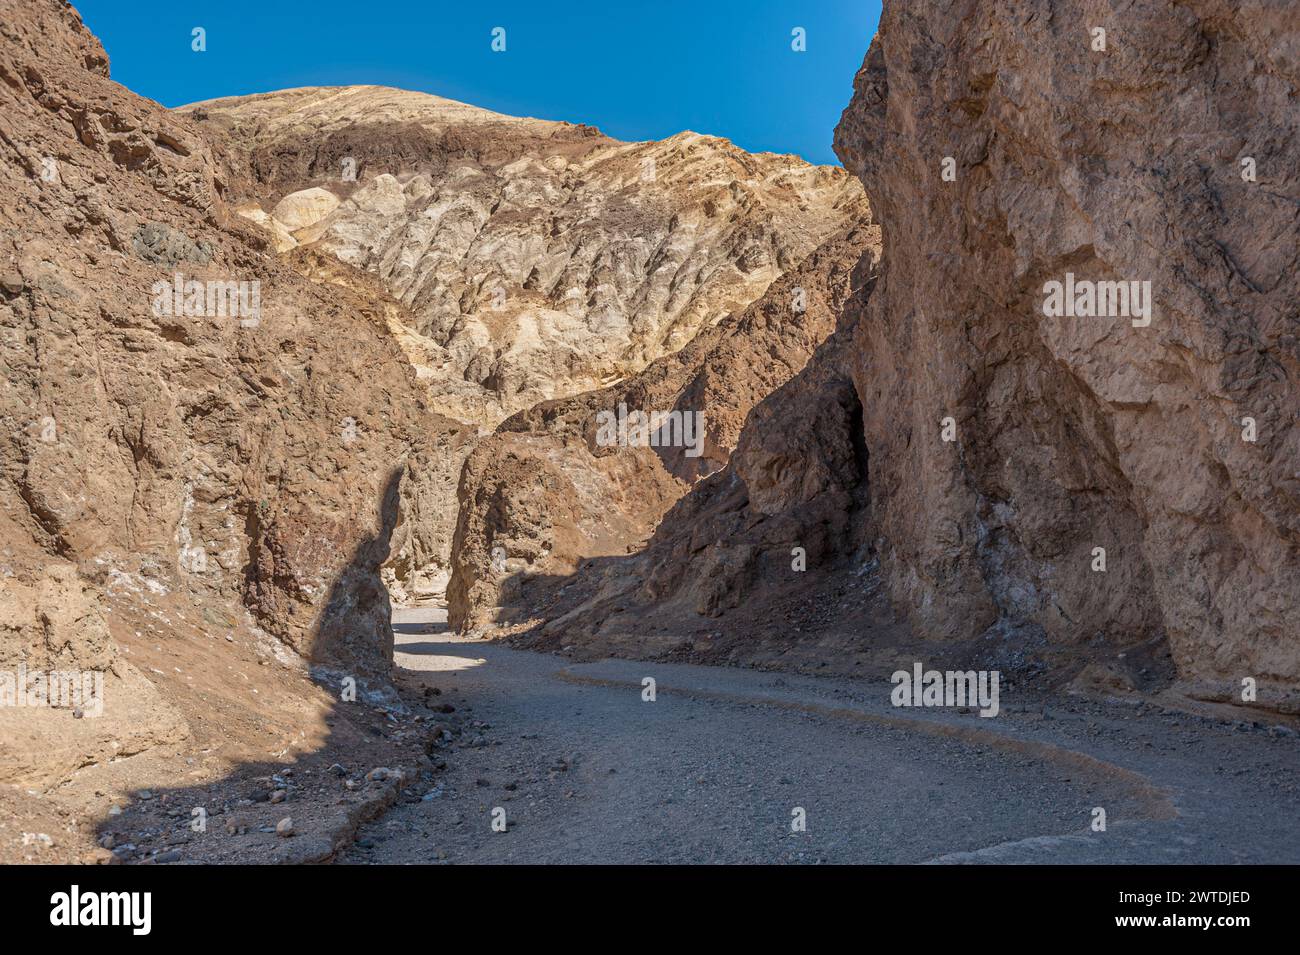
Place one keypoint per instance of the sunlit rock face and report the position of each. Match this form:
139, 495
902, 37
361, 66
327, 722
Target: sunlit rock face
519, 260
538, 259
1161, 150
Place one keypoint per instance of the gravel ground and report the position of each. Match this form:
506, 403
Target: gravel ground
714, 770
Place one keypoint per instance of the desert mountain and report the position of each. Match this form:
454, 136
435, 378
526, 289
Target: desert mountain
523, 260
538, 259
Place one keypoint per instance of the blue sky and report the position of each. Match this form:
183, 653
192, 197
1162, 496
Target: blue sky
638, 69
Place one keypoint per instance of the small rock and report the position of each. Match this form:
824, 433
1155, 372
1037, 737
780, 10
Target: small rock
284, 827
279, 796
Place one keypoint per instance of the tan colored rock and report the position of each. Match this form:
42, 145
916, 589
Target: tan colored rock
284, 240
537, 259
304, 208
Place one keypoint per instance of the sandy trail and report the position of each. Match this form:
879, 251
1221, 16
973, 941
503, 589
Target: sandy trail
716, 767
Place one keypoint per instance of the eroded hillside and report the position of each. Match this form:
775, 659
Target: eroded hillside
538, 259
525, 260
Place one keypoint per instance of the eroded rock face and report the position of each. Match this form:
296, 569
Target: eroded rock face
1074, 433
538, 259
419, 562
522, 260
548, 495
770, 560
239, 443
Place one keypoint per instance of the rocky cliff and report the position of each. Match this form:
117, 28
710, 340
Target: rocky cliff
549, 493
202, 447
1153, 144
1101, 490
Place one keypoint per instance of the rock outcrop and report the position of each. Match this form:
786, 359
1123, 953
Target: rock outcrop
523, 260
191, 423
549, 492
1046, 490
1168, 158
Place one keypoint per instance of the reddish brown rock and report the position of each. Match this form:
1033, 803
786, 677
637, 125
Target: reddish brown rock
207, 451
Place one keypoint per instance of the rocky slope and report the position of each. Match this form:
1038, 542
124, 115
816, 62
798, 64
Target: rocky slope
538, 259
548, 492
999, 446
524, 260
186, 492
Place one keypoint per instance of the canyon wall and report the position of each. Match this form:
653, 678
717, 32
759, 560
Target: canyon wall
245, 451
559, 487
1169, 157
1080, 494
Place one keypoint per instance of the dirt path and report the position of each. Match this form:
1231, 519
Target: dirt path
712, 770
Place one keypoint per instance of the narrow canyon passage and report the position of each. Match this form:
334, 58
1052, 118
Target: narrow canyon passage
697, 408
716, 767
